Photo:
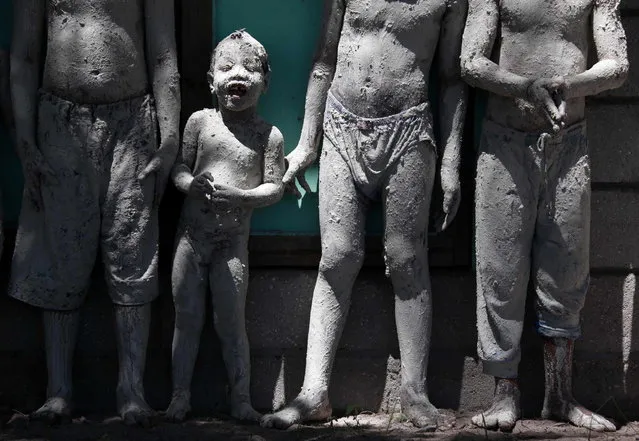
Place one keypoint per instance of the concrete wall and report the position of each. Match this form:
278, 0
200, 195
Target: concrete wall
366, 371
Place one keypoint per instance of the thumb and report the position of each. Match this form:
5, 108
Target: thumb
291, 172
152, 167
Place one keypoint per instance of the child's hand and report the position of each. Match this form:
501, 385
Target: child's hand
202, 186
225, 194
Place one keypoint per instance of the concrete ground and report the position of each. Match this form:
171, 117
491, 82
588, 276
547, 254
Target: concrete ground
353, 428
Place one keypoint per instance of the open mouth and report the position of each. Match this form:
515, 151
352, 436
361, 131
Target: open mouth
237, 90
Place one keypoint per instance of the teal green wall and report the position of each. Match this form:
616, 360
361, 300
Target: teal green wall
289, 29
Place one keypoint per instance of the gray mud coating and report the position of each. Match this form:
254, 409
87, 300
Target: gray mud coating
95, 56
374, 59
533, 183
231, 162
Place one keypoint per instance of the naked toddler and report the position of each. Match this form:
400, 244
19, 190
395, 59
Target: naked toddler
231, 161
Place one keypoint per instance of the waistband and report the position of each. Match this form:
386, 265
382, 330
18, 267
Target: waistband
576, 129
421, 110
129, 103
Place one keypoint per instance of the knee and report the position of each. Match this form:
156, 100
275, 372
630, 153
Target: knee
189, 319
341, 258
403, 257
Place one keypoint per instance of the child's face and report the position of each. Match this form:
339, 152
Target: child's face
238, 78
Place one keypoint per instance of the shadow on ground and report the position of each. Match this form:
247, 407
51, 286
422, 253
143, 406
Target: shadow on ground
360, 428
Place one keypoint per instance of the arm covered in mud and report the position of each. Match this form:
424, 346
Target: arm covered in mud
611, 69
319, 83
270, 191
479, 38
182, 172
161, 58
454, 99
480, 71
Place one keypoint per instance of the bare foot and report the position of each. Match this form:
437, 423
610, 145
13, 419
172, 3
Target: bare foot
504, 412
245, 412
179, 408
306, 407
54, 411
567, 409
134, 410
422, 414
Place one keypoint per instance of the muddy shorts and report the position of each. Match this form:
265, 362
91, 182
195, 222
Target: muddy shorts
532, 211
371, 146
96, 153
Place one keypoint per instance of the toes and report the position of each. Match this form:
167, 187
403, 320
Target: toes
424, 423
446, 420
599, 423
506, 425
267, 421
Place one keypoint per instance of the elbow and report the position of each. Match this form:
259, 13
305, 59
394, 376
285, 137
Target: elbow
621, 72
278, 193
469, 68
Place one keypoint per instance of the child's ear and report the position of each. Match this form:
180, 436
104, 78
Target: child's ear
209, 76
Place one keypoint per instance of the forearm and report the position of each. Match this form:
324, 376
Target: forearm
604, 75
453, 104
166, 92
263, 195
182, 177
483, 73
319, 84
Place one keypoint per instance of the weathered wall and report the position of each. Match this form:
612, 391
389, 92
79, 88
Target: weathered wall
607, 357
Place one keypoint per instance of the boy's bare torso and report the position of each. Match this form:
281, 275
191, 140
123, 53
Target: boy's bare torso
385, 53
541, 39
235, 157
95, 50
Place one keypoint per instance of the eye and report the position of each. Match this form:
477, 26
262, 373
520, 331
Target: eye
226, 67
252, 65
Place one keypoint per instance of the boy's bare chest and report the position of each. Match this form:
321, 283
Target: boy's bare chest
217, 145
98, 9
399, 14
561, 15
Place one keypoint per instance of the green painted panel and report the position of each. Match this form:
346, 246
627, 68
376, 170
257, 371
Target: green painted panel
289, 30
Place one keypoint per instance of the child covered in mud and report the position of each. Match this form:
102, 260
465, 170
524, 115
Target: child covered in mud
231, 161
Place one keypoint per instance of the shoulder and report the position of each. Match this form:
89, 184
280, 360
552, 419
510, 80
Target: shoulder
275, 137
199, 116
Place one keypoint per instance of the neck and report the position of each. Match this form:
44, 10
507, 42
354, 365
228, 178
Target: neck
230, 116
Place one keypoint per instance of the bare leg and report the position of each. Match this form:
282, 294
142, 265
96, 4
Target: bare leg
132, 333
559, 404
342, 230
504, 412
229, 280
406, 208
60, 333
190, 284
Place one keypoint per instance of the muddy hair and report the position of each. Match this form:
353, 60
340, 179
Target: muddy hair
260, 51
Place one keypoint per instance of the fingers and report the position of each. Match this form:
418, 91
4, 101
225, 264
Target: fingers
208, 176
152, 167
289, 176
304, 183
292, 189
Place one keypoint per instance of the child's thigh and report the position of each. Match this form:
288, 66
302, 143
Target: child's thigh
228, 274
189, 279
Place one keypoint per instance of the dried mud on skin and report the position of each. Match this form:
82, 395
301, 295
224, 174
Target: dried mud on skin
353, 428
